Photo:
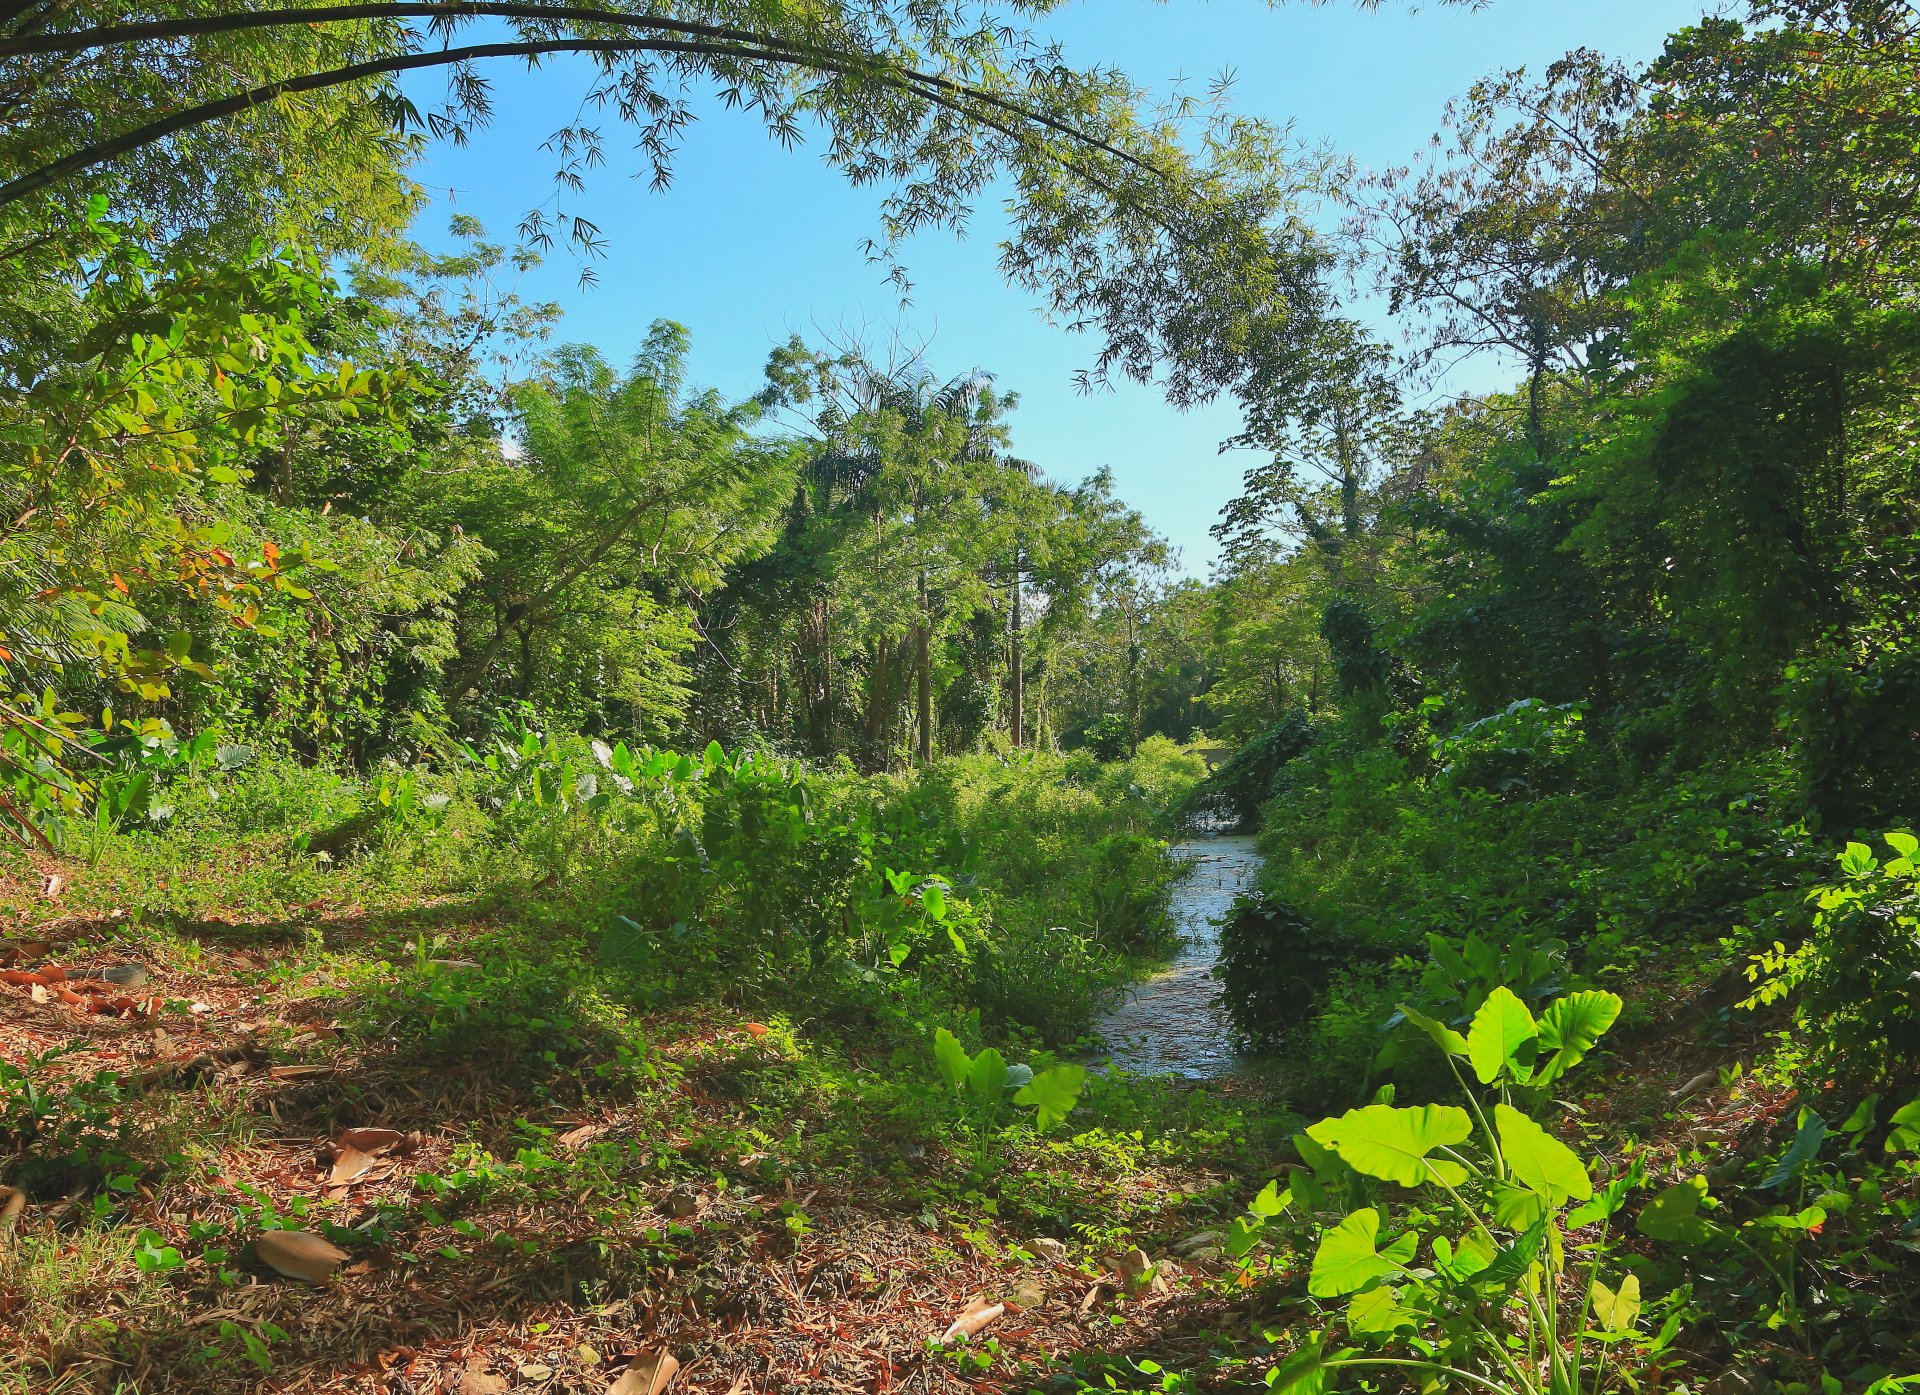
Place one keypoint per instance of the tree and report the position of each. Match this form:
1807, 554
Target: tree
1188, 258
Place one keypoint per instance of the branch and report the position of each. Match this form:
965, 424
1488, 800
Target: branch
719, 42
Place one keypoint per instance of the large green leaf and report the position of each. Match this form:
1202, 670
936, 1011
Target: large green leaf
987, 1077
1614, 1310
1905, 1135
1377, 1311
951, 1057
1349, 1257
1569, 1028
1503, 1034
1053, 1093
1539, 1161
1674, 1214
1382, 1141
1309, 1370
1804, 1148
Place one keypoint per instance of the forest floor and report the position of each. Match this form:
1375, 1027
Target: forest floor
531, 1187
535, 1205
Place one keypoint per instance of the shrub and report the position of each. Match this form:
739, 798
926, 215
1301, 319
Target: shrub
1855, 975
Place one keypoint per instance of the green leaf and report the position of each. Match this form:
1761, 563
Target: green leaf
1606, 1202
1569, 1028
1470, 1257
1443, 1036
1377, 1311
1516, 1208
1307, 1371
1382, 1141
1271, 1201
987, 1077
1805, 1147
1502, 1032
1614, 1310
1905, 1135
1905, 844
1863, 1115
934, 901
1674, 1214
1349, 1257
1510, 1266
951, 1057
1539, 1161
1053, 1093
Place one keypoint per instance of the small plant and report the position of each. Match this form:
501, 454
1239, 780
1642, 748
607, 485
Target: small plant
988, 1085
1494, 1294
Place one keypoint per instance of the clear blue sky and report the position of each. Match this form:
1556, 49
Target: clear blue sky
753, 243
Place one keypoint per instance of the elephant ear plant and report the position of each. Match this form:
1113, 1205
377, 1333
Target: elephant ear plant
1479, 1284
987, 1085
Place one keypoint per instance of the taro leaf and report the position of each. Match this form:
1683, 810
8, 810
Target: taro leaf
1502, 1034
1463, 1261
1905, 1137
1018, 1076
1615, 1310
1605, 1202
1349, 1257
1803, 1150
1444, 1037
1053, 1093
1510, 1266
933, 900
952, 1058
1674, 1214
1539, 1161
1270, 1202
1516, 1208
987, 1077
1377, 1311
299, 1254
1569, 1028
1382, 1141
1309, 1371
1863, 1115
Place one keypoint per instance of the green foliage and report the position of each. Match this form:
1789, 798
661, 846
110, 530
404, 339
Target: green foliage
1502, 1213
1850, 977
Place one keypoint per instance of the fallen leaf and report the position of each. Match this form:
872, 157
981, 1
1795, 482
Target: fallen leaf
348, 1164
977, 1315
478, 1380
757, 1029
574, 1138
299, 1254
649, 1373
10, 1209
535, 1371
370, 1141
52, 886
296, 1072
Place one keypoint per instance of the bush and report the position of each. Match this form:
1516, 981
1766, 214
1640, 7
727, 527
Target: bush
1858, 1012
1276, 966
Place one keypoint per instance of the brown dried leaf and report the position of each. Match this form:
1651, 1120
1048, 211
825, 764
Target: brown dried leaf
299, 1254
650, 1373
296, 1072
478, 1380
348, 1164
372, 1142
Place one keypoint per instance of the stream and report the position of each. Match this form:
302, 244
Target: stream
1169, 1023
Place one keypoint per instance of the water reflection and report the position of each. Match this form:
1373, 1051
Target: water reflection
1169, 1024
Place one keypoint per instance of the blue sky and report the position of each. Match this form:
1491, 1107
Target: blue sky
753, 243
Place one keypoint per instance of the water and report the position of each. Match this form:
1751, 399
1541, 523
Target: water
1169, 1024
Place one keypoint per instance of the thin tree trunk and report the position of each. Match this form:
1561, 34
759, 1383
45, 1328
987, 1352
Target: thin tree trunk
1019, 661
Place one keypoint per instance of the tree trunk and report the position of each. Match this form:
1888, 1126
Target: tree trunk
1133, 687
1018, 662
